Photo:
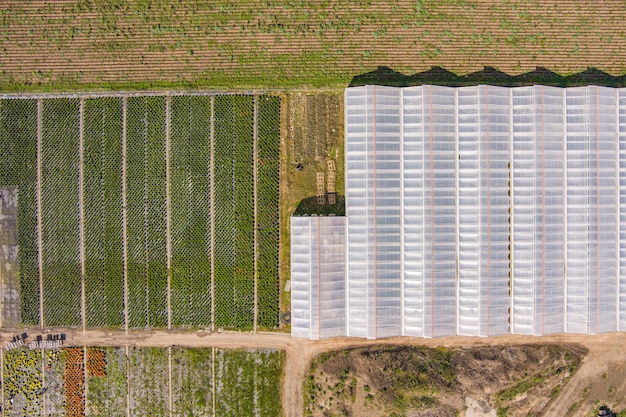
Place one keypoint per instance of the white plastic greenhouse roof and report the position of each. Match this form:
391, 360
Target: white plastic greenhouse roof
474, 211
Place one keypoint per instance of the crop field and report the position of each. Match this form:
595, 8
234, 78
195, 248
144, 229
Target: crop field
154, 211
297, 42
95, 381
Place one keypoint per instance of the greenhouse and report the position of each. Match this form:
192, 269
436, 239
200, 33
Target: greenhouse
474, 211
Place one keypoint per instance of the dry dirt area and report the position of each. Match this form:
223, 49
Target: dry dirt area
399, 380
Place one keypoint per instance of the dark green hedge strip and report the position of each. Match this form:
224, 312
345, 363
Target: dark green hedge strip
243, 291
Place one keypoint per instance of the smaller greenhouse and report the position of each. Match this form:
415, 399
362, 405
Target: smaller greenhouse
318, 269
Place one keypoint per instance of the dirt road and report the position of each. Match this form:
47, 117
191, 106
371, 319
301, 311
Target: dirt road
605, 351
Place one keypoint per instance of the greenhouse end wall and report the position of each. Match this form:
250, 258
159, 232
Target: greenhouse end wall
481, 211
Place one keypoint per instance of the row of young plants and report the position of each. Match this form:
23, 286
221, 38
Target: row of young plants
102, 205
108, 391
18, 167
268, 163
243, 166
148, 382
74, 382
23, 382
254, 376
190, 196
60, 212
146, 212
233, 200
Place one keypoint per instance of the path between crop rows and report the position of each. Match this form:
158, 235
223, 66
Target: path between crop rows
604, 350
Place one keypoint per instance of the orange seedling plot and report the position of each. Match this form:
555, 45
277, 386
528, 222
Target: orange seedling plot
74, 382
96, 362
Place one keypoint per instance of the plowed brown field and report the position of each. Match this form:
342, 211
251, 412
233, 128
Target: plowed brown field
287, 43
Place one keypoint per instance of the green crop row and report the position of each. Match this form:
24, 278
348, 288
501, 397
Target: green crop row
224, 213
106, 396
102, 202
254, 376
190, 196
60, 212
18, 167
268, 154
148, 382
243, 164
145, 205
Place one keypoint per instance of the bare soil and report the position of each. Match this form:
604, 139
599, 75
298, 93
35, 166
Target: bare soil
400, 380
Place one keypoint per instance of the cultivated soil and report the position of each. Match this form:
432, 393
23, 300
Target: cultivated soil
297, 43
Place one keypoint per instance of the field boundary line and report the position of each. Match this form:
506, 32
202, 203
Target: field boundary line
255, 197
2, 381
127, 382
212, 209
81, 209
39, 237
132, 93
43, 381
213, 378
168, 214
169, 380
86, 376
124, 218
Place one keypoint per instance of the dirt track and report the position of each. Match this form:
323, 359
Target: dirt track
605, 352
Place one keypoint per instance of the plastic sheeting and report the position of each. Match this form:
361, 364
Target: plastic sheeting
373, 208
479, 211
483, 210
318, 294
592, 209
538, 208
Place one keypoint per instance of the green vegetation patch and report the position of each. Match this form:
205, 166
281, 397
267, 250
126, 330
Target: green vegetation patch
60, 212
18, 167
268, 163
102, 202
190, 196
146, 215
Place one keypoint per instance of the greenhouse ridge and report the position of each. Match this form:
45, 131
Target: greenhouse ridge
474, 211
